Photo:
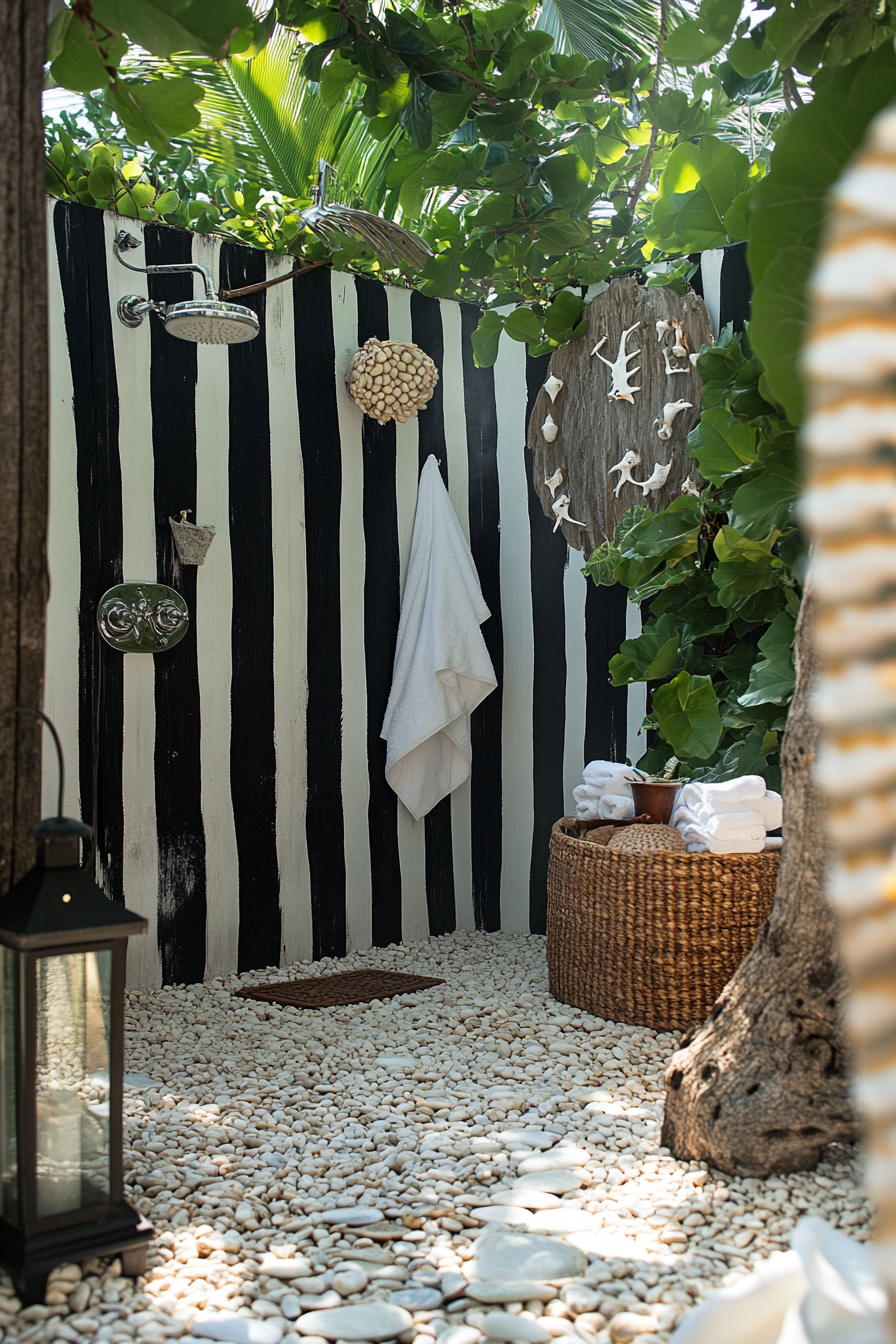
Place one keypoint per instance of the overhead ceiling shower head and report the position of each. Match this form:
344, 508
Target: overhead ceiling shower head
207, 321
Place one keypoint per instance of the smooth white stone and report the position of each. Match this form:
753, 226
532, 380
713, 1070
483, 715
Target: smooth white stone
504, 1325
557, 1157
519, 1255
237, 1330
513, 1290
580, 1298
452, 1285
290, 1306
526, 1138
395, 1063
500, 1213
286, 1269
518, 1197
558, 1222
348, 1281
353, 1216
417, 1299
558, 1181
371, 1320
460, 1334
320, 1301
141, 1080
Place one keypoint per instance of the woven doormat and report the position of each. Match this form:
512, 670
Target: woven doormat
331, 991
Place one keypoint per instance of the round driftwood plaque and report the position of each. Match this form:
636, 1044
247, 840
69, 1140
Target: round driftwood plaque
594, 429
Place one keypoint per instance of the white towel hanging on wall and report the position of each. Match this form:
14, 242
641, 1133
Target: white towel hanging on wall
442, 669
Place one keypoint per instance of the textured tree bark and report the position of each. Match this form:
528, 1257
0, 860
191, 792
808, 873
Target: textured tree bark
24, 417
762, 1086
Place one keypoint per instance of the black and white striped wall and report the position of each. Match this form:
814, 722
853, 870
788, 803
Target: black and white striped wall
237, 782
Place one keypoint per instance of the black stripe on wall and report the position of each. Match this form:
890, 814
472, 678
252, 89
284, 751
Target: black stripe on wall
548, 553
81, 249
318, 421
253, 756
736, 286
606, 705
382, 604
178, 770
426, 331
485, 542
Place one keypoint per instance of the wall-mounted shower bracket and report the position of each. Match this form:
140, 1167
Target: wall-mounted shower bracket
132, 309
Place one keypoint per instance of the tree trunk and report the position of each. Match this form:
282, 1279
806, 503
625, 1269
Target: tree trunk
24, 418
762, 1086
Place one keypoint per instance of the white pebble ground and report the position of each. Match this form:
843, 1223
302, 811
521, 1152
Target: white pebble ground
431, 1114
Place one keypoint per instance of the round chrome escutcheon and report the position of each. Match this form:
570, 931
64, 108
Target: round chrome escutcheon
142, 617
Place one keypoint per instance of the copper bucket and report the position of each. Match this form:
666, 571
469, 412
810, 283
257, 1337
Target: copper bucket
657, 799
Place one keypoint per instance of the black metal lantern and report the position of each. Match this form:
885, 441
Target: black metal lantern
63, 946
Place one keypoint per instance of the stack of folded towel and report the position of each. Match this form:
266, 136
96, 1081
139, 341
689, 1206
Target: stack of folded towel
729, 818
605, 793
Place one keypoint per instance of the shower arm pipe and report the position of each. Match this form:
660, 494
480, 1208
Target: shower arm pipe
211, 292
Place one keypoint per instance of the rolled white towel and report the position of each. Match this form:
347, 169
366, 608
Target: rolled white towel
747, 834
772, 807
589, 810
727, 846
584, 793
721, 797
686, 816
616, 807
725, 825
608, 773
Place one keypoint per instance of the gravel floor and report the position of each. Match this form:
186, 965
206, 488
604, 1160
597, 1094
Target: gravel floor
254, 1125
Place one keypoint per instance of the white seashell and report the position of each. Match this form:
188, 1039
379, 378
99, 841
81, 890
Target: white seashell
560, 511
663, 326
689, 488
670, 410
624, 466
656, 480
554, 482
681, 347
549, 429
552, 387
694, 357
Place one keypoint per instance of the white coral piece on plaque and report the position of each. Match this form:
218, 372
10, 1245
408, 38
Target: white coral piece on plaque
624, 467
621, 389
549, 429
554, 482
670, 410
600, 345
552, 387
560, 510
669, 368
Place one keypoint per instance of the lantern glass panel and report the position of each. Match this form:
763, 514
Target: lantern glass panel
74, 1011
9, 1184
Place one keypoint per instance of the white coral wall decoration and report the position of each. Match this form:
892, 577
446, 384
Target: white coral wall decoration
621, 389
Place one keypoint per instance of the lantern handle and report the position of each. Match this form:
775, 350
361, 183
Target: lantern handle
28, 709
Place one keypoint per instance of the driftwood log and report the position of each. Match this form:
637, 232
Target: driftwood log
762, 1086
24, 414
595, 432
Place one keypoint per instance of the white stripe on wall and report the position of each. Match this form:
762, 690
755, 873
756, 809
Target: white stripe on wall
290, 619
574, 593
711, 271
636, 705
214, 605
64, 559
519, 650
141, 851
411, 833
355, 788
452, 376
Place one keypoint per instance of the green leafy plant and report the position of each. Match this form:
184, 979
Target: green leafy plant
720, 573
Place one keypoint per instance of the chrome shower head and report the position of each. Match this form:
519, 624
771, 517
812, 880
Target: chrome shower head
207, 321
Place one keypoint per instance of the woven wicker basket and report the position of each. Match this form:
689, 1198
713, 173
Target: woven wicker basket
652, 938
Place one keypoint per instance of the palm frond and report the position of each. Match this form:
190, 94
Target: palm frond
262, 121
602, 29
